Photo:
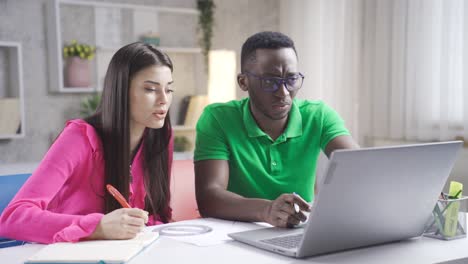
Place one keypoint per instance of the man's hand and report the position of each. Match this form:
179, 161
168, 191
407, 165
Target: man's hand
124, 223
281, 212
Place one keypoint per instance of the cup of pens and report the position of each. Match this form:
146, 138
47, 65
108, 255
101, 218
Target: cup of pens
448, 219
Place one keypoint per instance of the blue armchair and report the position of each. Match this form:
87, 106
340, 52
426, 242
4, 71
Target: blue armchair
9, 186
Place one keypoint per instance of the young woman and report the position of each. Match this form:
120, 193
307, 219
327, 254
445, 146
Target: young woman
127, 143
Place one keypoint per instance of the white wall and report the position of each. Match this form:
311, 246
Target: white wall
328, 39
306, 32
460, 169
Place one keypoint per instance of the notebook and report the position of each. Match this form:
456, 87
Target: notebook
5, 242
97, 251
368, 196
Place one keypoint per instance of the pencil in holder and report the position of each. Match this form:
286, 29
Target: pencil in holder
448, 220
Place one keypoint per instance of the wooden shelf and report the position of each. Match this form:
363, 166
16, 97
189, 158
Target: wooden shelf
55, 39
183, 128
12, 113
78, 89
165, 49
186, 155
12, 136
176, 10
180, 50
188, 132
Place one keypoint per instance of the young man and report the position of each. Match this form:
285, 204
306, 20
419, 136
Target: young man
255, 158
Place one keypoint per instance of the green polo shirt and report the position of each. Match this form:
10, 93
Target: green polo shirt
260, 167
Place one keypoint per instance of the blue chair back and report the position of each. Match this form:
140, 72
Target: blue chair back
9, 186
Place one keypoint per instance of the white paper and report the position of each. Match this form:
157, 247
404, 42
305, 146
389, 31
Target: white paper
218, 234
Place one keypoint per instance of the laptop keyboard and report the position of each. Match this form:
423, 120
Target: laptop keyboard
291, 241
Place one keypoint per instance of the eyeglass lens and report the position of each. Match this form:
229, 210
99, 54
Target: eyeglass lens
292, 83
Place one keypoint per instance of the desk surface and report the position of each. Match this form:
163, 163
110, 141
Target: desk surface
167, 250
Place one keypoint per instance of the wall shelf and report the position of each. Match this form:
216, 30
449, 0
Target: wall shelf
78, 90
165, 49
175, 10
183, 128
12, 114
60, 13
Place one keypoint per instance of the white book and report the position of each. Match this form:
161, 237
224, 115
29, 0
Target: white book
96, 251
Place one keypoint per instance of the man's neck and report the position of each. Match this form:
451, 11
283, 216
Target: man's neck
273, 128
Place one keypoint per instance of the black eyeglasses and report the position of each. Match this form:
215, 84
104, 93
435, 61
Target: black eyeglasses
272, 84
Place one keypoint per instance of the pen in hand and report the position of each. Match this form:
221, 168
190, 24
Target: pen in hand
296, 207
118, 196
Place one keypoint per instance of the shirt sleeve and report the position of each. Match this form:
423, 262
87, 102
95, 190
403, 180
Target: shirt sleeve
27, 218
332, 126
210, 143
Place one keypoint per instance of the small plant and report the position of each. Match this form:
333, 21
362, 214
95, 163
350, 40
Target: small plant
181, 144
75, 49
90, 104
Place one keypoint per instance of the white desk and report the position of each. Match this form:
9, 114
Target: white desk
166, 250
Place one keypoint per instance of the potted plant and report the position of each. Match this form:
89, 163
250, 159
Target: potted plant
77, 71
181, 144
89, 105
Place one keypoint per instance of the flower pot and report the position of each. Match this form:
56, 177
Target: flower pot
77, 72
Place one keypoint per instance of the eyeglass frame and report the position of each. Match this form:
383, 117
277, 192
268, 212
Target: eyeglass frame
278, 80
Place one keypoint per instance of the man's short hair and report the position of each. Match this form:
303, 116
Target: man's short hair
264, 40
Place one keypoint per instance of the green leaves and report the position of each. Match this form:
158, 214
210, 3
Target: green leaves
205, 22
89, 105
181, 144
81, 50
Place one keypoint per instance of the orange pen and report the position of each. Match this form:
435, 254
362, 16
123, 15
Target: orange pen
118, 196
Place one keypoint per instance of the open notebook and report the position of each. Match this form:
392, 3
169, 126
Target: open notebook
98, 251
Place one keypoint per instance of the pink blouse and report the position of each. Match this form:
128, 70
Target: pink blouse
63, 198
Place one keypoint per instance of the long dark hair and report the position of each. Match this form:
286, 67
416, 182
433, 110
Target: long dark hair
112, 123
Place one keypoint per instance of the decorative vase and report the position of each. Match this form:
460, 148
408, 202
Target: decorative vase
77, 72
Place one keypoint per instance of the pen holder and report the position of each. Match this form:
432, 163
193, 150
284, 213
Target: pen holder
448, 219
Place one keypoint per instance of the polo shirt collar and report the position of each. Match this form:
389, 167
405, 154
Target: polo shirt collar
293, 129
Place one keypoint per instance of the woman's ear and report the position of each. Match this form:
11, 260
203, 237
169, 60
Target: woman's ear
242, 81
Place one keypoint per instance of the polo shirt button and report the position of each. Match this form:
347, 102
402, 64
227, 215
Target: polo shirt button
273, 163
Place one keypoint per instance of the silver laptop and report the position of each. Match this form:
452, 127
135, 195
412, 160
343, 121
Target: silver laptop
368, 196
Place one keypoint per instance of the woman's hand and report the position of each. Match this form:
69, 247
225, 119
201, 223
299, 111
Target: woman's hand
124, 223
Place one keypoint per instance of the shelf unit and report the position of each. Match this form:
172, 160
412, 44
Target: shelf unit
183, 128
56, 39
12, 114
165, 49
187, 132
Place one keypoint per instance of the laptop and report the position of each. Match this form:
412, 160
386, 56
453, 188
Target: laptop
367, 196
